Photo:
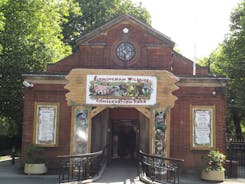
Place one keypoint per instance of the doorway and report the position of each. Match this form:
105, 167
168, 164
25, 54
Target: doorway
123, 131
124, 139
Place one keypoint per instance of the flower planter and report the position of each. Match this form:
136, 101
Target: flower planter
213, 175
35, 168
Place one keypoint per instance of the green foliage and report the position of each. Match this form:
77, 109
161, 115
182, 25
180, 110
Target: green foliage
33, 27
35, 155
234, 66
8, 127
31, 37
2, 19
215, 161
95, 13
214, 61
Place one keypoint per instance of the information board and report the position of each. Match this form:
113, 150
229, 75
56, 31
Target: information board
45, 123
202, 127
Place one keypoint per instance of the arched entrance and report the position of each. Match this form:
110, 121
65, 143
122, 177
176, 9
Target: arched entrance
93, 92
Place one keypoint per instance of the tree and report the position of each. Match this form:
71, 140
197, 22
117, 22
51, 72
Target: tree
30, 37
229, 60
96, 13
2, 19
234, 66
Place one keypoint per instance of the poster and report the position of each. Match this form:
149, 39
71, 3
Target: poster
202, 127
46, 115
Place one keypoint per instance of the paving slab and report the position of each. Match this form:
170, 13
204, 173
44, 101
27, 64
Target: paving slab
115, 173
13, 174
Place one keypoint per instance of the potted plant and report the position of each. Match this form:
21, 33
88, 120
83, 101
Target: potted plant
35, 161
214, 170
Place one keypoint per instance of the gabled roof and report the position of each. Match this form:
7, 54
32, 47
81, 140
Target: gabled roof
130, 19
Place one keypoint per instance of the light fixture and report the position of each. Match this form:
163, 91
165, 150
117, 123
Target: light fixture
27, 84
125, 30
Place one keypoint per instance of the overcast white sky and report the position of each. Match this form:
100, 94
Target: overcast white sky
196, 26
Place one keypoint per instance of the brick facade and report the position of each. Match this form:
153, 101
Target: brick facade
154, 51
180, 123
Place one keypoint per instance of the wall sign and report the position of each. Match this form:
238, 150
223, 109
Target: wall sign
121, 90
45, 123
202, 127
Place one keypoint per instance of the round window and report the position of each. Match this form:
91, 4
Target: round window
125, 51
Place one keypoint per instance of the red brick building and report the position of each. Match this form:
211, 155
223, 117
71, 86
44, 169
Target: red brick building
125, 77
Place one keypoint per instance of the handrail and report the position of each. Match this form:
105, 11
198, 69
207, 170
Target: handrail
153, 168
160, 157
80, 155
82, 167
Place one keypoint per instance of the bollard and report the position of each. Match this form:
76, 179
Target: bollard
13, 155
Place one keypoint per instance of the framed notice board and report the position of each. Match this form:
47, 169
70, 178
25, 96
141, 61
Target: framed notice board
202, 127
46, 124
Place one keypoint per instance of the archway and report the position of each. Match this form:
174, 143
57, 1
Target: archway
149, 92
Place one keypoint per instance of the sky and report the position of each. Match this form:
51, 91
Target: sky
196, 26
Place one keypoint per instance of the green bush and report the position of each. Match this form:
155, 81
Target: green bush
215, 160
35, 155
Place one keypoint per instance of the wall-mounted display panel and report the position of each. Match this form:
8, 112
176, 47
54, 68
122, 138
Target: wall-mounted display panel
202, 127
46, 117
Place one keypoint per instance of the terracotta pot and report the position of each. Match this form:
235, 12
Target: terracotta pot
213, 175
35, 168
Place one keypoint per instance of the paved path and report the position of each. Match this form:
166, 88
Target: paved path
125, 172
117, 173
13, 174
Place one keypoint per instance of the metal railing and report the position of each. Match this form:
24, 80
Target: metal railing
235, 163
81, 167
158, 169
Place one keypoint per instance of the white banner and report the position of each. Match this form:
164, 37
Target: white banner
121, 90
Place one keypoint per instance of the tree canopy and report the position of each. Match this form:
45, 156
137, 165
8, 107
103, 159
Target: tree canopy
95, 13
228, 60
2, 19
31, 37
